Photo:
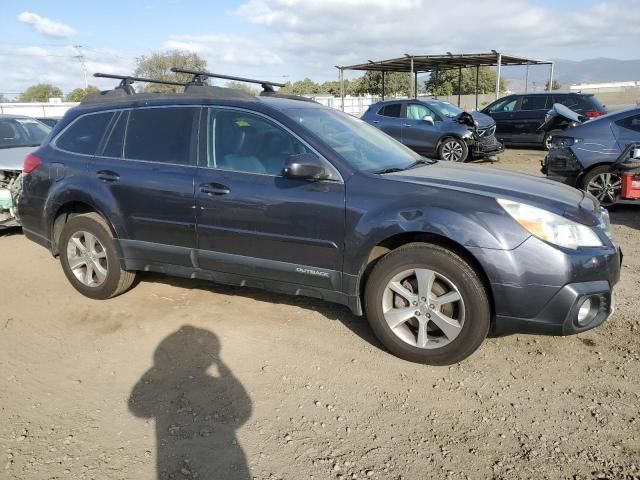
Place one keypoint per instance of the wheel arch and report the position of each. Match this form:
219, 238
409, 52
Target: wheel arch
395, 241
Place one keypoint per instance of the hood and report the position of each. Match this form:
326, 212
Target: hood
13, 158
497, 183
476, 119
560, 117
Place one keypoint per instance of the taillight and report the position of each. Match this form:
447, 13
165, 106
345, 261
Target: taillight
31, 162
594, 113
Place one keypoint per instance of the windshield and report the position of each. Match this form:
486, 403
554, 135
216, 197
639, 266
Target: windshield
446, 109
22, 132
361, 145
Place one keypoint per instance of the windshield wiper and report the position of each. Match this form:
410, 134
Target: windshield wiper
422, 161
388, 170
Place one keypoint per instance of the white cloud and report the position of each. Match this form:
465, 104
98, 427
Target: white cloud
22, 67
46, 26
318, 34
226, 50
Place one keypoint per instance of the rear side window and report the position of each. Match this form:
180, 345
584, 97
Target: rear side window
84, 135
569, 101
161, 134
534, 102
630, 123
392, 110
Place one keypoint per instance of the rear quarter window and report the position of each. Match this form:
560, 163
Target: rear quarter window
84, 134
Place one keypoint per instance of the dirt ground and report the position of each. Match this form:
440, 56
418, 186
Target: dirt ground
184, 379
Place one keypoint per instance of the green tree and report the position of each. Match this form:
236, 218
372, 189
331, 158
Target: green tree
158, 66
395, 83
41, 92
78, 94
556, 85
301, 87
446, 82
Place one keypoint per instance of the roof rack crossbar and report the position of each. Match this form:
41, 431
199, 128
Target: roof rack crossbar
198, 77
128, 79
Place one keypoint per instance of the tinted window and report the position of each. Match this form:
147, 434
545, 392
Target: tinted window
22, 132
417, 111
534, 102
506, 105
161, 134
569, 101
83, 136
392, 110
243, 142
630, 123
113, 145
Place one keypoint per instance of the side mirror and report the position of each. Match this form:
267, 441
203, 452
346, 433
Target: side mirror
429, 119
635, 153
305, 166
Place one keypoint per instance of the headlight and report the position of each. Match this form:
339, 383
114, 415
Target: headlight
560, 142
551, 227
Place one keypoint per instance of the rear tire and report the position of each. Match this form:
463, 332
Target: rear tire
603, 184
414, 291
89, 258
453, 149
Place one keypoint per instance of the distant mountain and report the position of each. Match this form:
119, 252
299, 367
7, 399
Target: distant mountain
569, 72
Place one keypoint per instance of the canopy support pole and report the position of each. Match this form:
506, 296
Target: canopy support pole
526, 80
498, 76
477, 84
411, 80
551, 77
415, 85
459, 85
341, 89
383, 85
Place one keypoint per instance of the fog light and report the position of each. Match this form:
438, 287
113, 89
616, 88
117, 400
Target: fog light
584, 316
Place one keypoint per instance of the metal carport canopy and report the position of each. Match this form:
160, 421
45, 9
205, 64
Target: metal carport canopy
415, 64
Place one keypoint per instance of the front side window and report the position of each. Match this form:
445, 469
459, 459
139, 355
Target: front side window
244, 142
84, 134
417, 111
361, 145
507, 105
164, 135
534, 102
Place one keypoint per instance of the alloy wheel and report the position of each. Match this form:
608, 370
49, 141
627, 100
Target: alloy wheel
87, 259
452, 151
605, 187
423, 308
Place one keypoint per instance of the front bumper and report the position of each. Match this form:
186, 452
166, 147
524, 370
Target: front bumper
539, 288
486, 147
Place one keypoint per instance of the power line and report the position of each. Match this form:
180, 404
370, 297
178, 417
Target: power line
83, 64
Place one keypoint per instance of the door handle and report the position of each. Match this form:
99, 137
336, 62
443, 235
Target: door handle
108, 176
407, 125
375, 121
214, 189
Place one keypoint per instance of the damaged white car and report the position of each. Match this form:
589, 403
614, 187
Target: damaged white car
19, 136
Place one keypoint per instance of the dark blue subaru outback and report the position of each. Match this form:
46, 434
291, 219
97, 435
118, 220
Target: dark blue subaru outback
284, 194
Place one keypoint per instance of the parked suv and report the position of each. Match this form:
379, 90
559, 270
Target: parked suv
436, 129
518, 117
294, 197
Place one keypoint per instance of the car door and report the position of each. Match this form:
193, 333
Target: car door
627, 130
503, 111
418, 134
528, 118
253, 222
147, 161
389, 120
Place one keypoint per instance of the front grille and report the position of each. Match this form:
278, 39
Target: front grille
486, 132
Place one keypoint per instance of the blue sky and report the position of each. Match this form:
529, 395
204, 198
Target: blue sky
293, 39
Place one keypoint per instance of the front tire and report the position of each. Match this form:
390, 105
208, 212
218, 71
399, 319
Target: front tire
426, 304
89, 258
453, 150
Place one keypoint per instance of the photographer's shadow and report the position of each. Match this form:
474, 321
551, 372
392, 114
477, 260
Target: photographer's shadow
196, 413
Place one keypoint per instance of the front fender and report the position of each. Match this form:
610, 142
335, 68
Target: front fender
376, 213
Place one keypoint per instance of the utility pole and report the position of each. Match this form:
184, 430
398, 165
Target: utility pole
81, 58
